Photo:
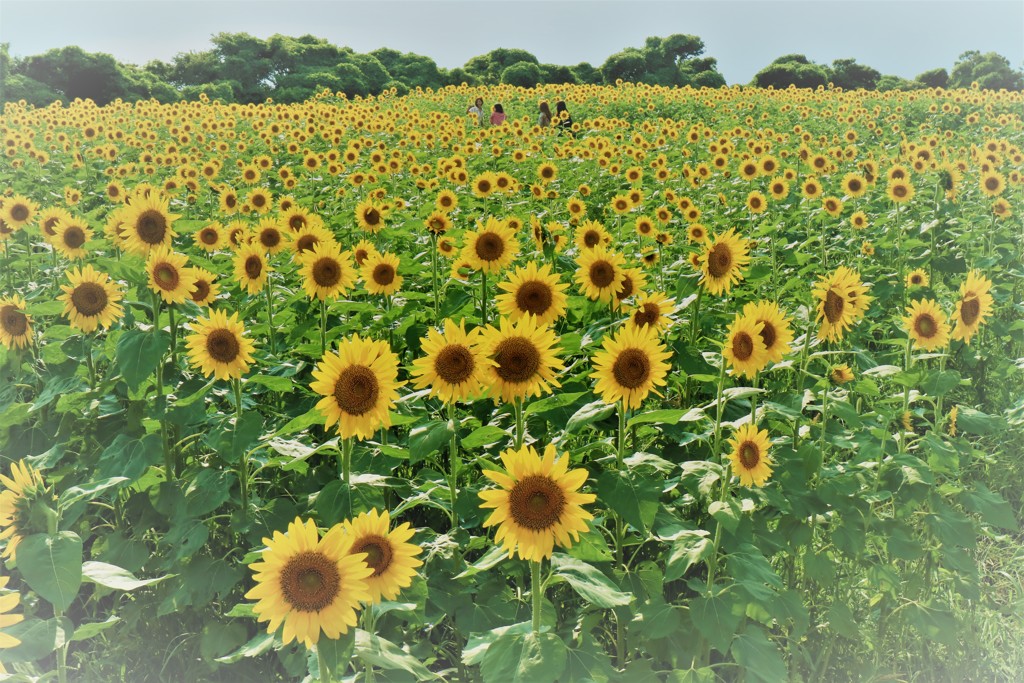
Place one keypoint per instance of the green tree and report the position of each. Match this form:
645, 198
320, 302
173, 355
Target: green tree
73, 72
793, 69
374, 73
412, 69
351, 80
489, 67
523, 74
585, 72
555, 74
246, 60
629, 65
890, 82
849, 75
934, 78
990, 70
701, 72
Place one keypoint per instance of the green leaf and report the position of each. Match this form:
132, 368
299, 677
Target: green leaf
726, 512
592, 585
112, 576
524, 658
281, 385
297, 424
138, 354
52, 566
588, 414
588, 664
992, 507
759, 657
336, 653
942, 457
552, 403
87, 492
667, 417
129, 456
976, 422
87, 631
940, 382
428, 438
55, 388
484, 436
687, 551
660, 619
716, 617
257, 645
634, 497
376, 651
38, 638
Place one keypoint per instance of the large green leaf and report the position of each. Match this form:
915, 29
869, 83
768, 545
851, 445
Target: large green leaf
716, 617
377, 651
592, 585
992, 507
524, 658
692, 548
759, 657
588, 414
38, 638
428, 438
52, 566
138, 354
633, 497
112, 576
336, 653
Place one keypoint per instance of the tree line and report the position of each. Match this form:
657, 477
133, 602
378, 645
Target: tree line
243, 68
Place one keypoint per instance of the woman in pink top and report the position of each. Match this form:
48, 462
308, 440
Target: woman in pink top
498, 115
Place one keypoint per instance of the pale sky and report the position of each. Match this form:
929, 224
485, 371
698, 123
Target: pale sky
900, 37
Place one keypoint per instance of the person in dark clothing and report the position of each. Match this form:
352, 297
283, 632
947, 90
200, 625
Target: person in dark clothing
563, 118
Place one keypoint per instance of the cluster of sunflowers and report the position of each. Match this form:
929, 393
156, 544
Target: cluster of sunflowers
376, 193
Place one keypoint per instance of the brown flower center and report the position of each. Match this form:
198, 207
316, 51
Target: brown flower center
49, 224
151, 227
591, 238
89, 299
925, 326
518, 360
536, 502
270, 237
74, 237
750, 455
602, 274
768, 334
259, 200
371, 216
719, 260
483, 186
230, 201
296, 222
253, 267
208, 236
454, 364
489, 246
899, 191
356, 390
632, 368
19, 212
326, 272
742, 346
202, 291
378, 553
384, 274
306, 243
222, 345
970, 309
166, 276
853, 186
648, 314
991, 183
834, 305
14, 322
534, 297
626, 290
310, 581
436, 225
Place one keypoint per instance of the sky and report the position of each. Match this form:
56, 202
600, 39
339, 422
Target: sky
899, 37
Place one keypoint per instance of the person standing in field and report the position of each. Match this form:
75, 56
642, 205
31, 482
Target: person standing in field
478, 110
544, 120
564, 118
498, 115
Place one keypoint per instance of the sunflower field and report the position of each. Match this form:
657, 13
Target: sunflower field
703, 385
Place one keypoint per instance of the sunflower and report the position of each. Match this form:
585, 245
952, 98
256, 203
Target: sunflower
776, 333
600, 273
363, 250
359, 385
778, 188
859, 220
48, 220
387, 552
744, 347
591, 234
90, 301
490, 247
228, 202
630, 365
721, 261
369, 216
842, 301
18, 211
446, 201
461, 269
749, 455
756, 202
210, 237
633, 282
538, 503
621, 204
1001, 208
927, 325
8, 601
833, 206
974, 305
812, 188
484, 185
453, 366
251, 268
326, 271
260, 200
69, 238
533, 291
992, 183
917, 278
309, 583
147, 223
854, 185
696, 233
380, 274
652, 310
547, 172
525, 361
644, 226
206, 289
438, 223
168, 275
21, 494
841, 374
218, 346
900, 190
15, 324
269, 236
305, 239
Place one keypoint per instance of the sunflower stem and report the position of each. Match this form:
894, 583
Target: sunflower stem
483, 298
87, 342
168, 462
908, 360
174, 335
537, 593
453, 458
270, 313
325, 671
520, 424
243, 464
323, 326
696, 315
346, 473
433, 274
